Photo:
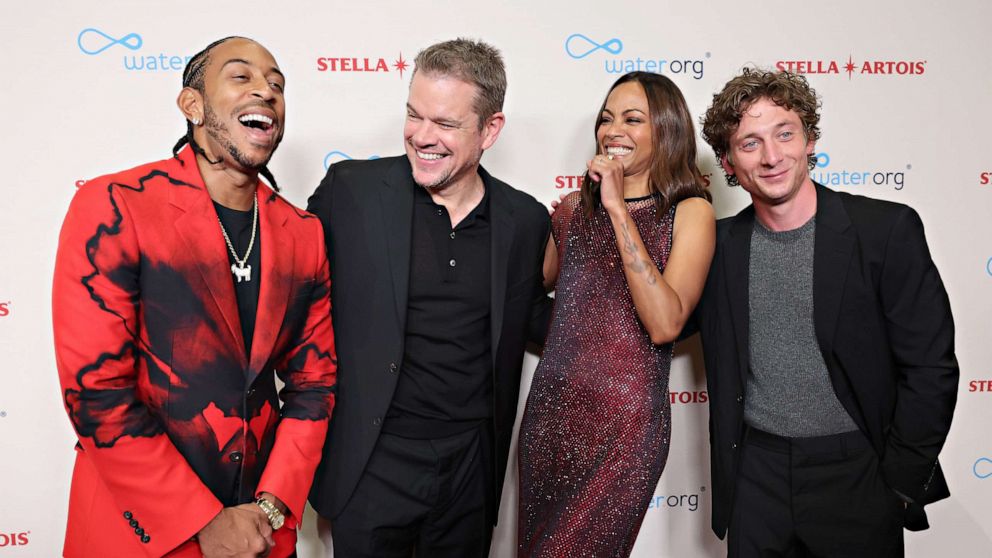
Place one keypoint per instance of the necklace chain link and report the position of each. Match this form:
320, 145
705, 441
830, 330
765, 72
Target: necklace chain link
239, 263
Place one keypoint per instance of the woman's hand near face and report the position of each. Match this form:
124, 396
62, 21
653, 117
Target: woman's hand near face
609, 173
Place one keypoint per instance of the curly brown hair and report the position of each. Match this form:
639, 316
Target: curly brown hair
786, 89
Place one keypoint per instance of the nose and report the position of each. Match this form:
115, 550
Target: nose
262, 89
421, 133
771, 154
614, 129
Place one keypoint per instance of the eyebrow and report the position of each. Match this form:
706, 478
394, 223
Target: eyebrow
447, 121
626, 111
247, 63
774, 127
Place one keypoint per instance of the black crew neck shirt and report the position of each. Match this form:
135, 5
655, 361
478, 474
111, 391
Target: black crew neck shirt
238, 227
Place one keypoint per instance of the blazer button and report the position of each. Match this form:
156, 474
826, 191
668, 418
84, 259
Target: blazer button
128, 515
392, 367
376, 421
133, 523
236, 456
733, 446
139, 531
740, 398
145, 539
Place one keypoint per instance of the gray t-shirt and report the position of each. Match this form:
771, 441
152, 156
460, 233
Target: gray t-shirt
788, 389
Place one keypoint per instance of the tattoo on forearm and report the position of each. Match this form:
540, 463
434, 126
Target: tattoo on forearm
636, 263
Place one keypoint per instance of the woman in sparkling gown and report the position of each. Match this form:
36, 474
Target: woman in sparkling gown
633, 249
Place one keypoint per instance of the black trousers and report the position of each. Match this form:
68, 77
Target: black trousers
804, 497
424, 498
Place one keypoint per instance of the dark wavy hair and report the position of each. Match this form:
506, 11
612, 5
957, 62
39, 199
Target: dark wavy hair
193, 76
673, 173
786, 89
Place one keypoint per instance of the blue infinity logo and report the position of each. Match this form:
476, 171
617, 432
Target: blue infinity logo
613, 46
822, 160
988, 266
343, 156
986, 464
131, 41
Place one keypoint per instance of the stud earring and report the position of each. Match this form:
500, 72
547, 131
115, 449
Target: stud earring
196, 121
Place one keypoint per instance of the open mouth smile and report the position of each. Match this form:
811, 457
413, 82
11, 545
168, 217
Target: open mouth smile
429, 156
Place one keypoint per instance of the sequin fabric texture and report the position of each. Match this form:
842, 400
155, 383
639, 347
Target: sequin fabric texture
595, 433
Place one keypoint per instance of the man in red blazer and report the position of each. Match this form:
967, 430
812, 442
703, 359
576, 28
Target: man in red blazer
180, 287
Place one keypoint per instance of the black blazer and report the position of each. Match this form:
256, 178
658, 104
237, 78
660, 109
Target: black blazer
367, 211
883, 323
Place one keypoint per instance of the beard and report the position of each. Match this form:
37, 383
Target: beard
436, 184
219, 132
448, 176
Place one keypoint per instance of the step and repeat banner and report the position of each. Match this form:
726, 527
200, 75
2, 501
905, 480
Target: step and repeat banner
91, 86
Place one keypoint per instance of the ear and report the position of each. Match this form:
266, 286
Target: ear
491, 129
810, 147
190, 103
728, 166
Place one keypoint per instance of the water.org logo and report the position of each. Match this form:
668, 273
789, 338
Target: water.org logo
580, 47
834, 176
679, 502
982, 468
335, 156
94, 42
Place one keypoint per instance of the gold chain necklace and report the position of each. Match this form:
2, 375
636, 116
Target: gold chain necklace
240, 267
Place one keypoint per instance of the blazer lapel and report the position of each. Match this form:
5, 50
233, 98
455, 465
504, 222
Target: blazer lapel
277, 275
736, 268
833, 249
501, 239
199, 228
396, 203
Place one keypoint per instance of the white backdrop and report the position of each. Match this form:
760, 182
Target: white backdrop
90, 88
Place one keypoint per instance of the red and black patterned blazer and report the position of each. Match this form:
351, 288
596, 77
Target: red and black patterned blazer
174, 420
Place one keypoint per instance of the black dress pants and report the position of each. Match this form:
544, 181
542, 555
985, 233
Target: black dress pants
423, 498
813, 497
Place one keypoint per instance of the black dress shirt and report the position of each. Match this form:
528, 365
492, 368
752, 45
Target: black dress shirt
445, 383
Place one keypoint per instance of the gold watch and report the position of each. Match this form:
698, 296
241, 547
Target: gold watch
276, 518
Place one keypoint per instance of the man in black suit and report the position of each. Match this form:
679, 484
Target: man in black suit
436, 288
828, 342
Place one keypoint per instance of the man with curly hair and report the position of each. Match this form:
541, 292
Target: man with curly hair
828, 342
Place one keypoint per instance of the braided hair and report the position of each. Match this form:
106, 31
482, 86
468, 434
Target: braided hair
193, 77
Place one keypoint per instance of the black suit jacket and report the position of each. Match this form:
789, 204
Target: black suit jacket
367, 211
884, 326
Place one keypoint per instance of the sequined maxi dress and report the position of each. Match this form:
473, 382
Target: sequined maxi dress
595, 433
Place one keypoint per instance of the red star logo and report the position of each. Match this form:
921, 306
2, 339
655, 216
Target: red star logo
400, 65
849, 67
